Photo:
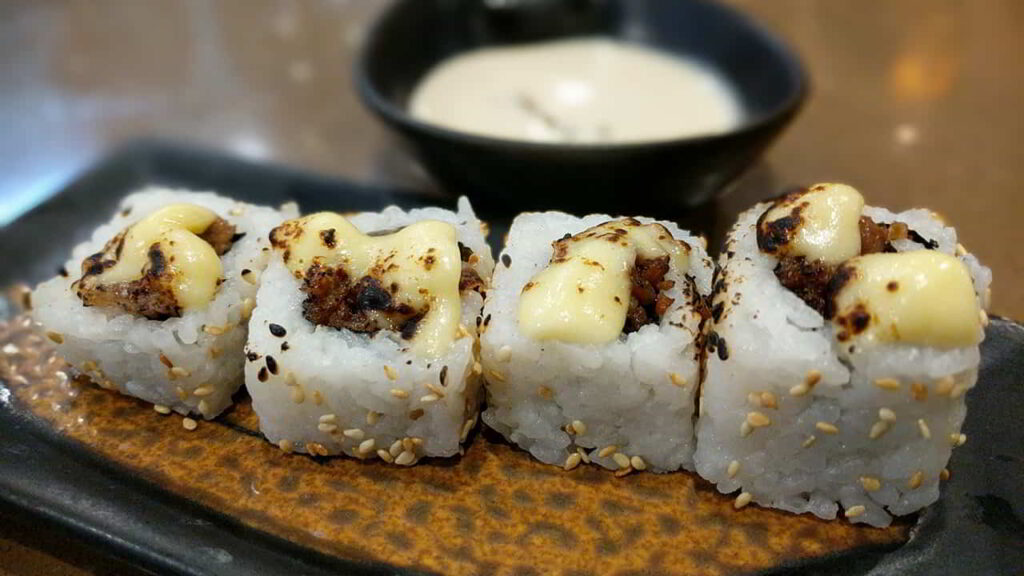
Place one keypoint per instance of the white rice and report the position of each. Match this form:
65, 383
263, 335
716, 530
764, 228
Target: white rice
635, 394
795, 463
129, 353
338, 391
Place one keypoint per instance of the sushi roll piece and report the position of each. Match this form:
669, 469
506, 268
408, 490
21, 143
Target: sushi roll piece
592, 340
363, 341
155, 304
844, 340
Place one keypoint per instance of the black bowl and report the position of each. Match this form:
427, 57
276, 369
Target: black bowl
414, 35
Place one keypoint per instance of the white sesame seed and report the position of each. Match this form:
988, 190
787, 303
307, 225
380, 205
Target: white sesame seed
799, 390
427, 399
638, 463
922, 426
285, 445
888, 383
189, 424
417, 441
919, 391
326, 427
827, 427
504, 353
742, 500
88, 365
318, 398
385, 456
213, 330
367, 446
391, 374
396, 448
247, 307
250, 277
984, 317
622, 472
55, 337
607, 451
960, 249
372, 417
435, 389
161, 409
677, 379
812, 378
733, 469
915, 481
878, 429
768, 400
399, 393
572, 460
579, 427
329, 418
870, 483
179, 372
854, 511
298, 396
203, 407
405, 459
944, 474
236, 211
354, 433
583, 455
621, 460
10, 349
961, 439
203, 391
758, 419
408, 445
467, 427
754, 398
886, 414
944, 386
745, 429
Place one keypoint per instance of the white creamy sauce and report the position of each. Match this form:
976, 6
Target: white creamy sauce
586, 91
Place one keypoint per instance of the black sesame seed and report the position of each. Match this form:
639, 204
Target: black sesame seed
262, 376
506, 260
285, 346
277, 330
444, 376
252, 356
246, 271
487, 320
723, 350
271, 364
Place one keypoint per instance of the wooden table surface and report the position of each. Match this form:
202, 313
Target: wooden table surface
915, 102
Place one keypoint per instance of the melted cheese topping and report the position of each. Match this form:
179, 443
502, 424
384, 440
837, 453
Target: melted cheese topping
829, 228
422, 260
583, 294
191, 261
921, 297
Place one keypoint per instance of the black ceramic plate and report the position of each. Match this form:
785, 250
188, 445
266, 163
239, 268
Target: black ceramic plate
976, 527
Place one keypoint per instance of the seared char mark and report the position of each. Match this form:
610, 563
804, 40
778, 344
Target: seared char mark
333, 299
773, 236
809, 280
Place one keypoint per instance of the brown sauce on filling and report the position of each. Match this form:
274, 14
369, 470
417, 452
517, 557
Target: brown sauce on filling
151, 295
647, 303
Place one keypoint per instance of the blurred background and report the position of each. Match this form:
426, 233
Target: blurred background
915, 102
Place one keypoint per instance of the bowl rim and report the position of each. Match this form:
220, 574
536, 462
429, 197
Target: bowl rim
384, 107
